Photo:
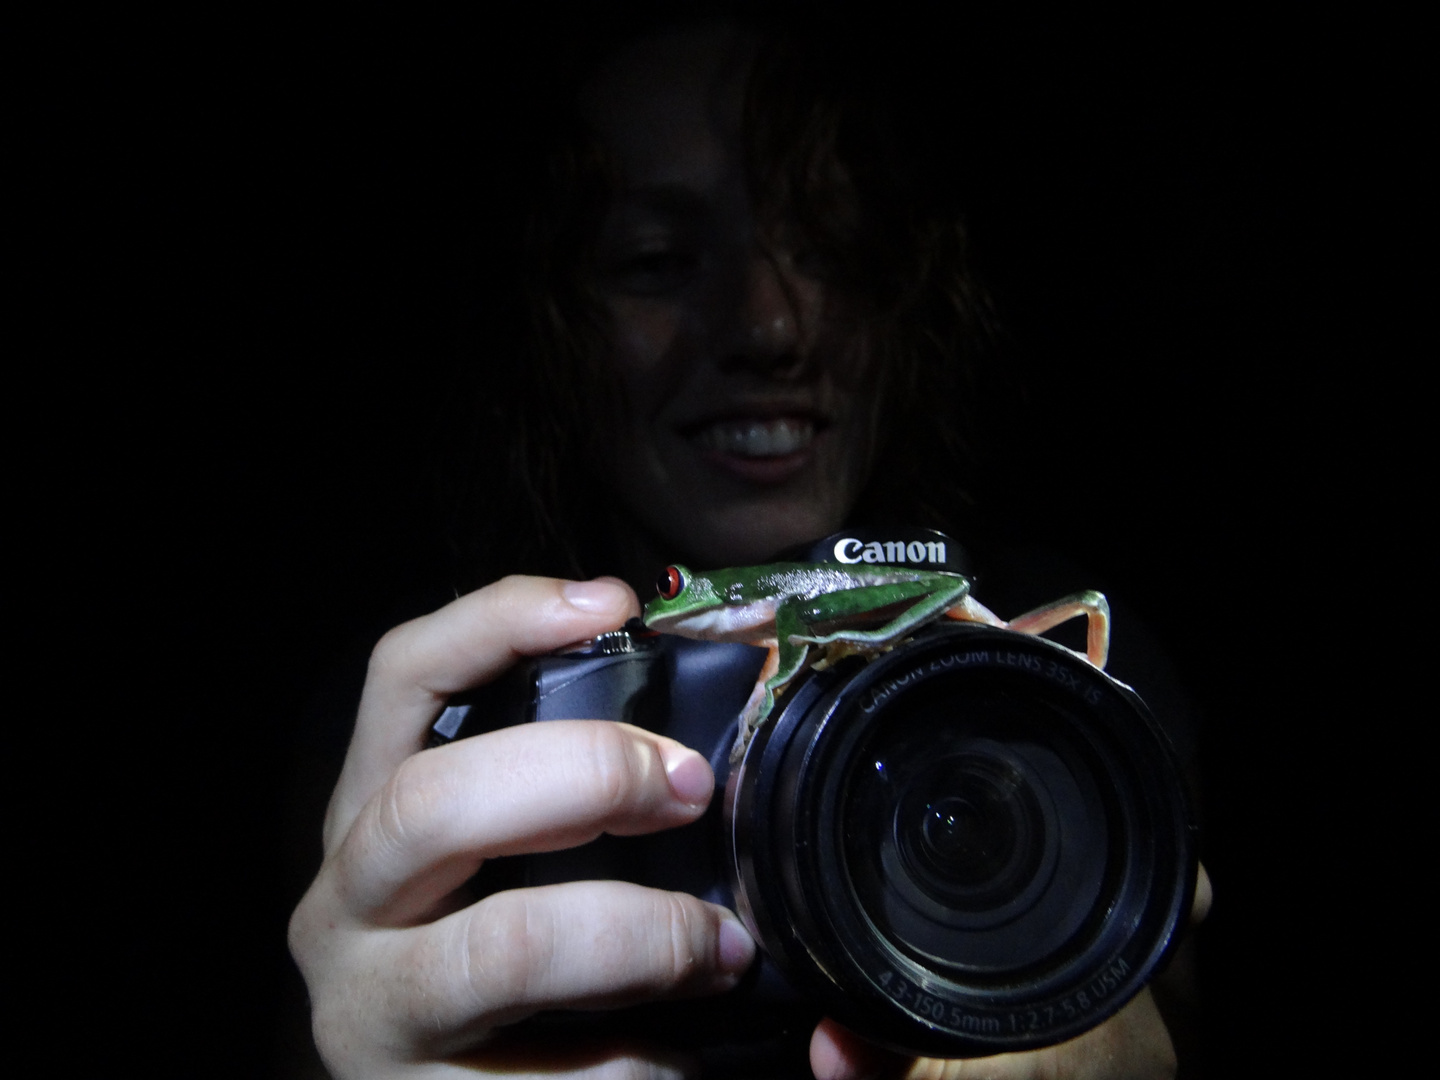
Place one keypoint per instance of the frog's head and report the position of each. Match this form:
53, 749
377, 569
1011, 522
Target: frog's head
683, 602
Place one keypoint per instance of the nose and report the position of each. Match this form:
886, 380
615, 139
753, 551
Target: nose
773, 316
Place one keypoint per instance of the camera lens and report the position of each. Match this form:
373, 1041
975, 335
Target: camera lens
975, 843
975, 836
969, 834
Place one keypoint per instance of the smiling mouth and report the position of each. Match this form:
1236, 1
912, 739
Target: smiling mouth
755, 438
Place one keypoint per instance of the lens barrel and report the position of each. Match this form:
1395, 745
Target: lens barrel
976, 843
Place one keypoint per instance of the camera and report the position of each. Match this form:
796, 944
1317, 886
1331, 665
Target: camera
973, 843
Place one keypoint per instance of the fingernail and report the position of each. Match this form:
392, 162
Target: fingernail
689, 774
737, 947
594, 596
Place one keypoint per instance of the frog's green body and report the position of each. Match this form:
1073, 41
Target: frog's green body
790, 607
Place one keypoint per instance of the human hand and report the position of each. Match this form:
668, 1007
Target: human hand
409, 978
1132, 1045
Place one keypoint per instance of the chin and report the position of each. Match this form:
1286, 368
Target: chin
754, 531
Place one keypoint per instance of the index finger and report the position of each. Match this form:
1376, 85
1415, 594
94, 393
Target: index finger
418, 665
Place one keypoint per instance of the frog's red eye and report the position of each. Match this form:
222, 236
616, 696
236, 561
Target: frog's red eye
670, 582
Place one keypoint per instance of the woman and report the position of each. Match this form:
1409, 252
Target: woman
741, 320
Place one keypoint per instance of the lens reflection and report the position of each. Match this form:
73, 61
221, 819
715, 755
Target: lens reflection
963, 842
955, 834
969, 832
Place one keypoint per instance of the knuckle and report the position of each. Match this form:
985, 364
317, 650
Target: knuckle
346, 1022
404, 651
407, 799
314, 929
656, 948
329, 1027
682, 938
617, 767
389, 650
688, 939
384, 824
395, 829
506, 951
349, 1036
299, 932
520, 953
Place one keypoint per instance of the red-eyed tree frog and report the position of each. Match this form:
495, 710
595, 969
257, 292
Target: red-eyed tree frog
790, 607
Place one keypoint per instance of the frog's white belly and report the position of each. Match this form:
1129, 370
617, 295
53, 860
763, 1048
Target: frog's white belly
753, 624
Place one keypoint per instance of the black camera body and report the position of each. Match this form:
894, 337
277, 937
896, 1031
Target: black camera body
972, 844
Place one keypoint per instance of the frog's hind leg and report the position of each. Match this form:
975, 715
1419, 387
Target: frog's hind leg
1091, 604
971, 610
918, 604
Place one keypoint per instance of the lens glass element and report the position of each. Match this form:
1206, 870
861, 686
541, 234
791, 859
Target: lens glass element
970, 831
976, 838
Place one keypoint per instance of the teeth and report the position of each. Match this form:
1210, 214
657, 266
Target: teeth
757, 438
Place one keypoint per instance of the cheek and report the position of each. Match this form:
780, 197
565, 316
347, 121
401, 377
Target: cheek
846, 340
645, 338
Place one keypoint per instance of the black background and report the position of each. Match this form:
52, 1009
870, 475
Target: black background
273, 238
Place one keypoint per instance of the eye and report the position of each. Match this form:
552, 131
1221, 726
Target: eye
654, 272
669, 583
817, 265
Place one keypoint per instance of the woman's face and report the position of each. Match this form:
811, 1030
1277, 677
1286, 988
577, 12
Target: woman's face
748, 427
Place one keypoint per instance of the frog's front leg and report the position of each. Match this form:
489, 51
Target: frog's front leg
786, 660
757, 708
